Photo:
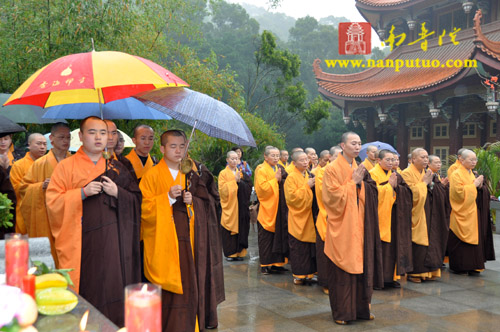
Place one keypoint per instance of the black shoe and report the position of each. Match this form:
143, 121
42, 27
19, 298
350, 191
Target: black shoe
392, 284
239, 259
279, 268
211, 327
265, 270
474, 273
231, 259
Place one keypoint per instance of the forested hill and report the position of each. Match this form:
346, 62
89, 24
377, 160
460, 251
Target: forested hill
278, 23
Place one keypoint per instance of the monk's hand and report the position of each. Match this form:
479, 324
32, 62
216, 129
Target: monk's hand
358, 174
427, 177
187, 198
4, 161
479, 181
393, 180
310, 182
93, 188
109, 187
175, 191
445, 181
278, 175
237, 176
45, 183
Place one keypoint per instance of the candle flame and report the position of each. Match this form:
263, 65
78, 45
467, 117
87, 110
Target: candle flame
32, 270
83, 322
144, 288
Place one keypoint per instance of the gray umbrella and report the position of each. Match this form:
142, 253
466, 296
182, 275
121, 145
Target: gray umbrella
209, 115
9, 127
24, 113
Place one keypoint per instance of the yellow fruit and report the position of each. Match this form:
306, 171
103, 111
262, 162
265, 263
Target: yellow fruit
28, 312
50, 280
55, 301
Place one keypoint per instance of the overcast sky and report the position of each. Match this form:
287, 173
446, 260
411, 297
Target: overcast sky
317, 9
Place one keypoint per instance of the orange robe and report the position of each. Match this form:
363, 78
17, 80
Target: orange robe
321, 218
33, 206
17, 172
228, 191
344, 241
10, 155
284, 165
463, 218
299, 198
413, 179
368, 165
289, 167
386, 199
161, 246
267, 189
453, 168
139, 169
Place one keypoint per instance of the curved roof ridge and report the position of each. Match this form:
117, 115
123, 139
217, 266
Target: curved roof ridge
488, 46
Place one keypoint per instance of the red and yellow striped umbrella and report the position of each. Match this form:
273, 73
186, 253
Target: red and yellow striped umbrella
93, 77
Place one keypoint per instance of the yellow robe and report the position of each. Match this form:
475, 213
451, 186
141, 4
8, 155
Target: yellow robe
289, 167
136, 162
284, 165
267, 190
413, 179
33, 206
161, 246
386, 199
10, 155
453, 168
321, 218
228, 191
299, 198
463, 218
17, 172
368, 164
344, 240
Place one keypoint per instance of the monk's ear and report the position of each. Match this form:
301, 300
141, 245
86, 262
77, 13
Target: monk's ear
134, 140
162, 149
80, 135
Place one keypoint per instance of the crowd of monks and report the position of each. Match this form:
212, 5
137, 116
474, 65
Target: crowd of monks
351, 228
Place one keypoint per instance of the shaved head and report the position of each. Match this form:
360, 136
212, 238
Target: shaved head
345, 136
296, 155
35, 136
371, 148
231, 153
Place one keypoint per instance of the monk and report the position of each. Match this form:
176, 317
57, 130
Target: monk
395, 164
470, 240
168, 227
140, 158
273, 213
371, 157
394, 219
418, 179
301, 232
352, 241
321, 258
37, 146
113, 142
94, 216
36, 181
234, 189
313, 157
324, 159
290, 165
284, 158
456, 164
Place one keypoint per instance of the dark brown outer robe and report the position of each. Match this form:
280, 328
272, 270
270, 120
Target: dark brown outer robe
350, 294
110, 244
232, 244
273, 247
437, 214
400, 247
128, 165
468, 257
6, 188
208, 247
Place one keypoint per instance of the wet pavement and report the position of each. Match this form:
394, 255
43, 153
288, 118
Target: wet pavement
272, 303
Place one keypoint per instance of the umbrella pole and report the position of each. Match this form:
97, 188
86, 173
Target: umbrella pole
105, 153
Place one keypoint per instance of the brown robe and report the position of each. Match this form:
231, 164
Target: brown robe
208, 248
467, 257
350, 294
6, 188
273, 247
110, 244
233, 244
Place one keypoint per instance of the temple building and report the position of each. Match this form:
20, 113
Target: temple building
437, 89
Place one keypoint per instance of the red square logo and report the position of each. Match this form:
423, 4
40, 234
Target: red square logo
355, 38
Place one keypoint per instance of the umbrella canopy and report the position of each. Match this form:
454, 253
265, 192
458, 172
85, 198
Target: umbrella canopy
126, 109
24, 113
9, 127
379, 145
209, 115
93, 77
75, 143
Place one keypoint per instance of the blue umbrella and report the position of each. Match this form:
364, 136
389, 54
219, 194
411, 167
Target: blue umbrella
379, 145
209, 115
126, 109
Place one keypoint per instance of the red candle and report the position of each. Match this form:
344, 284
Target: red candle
143, 308
16, 258
29, 285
